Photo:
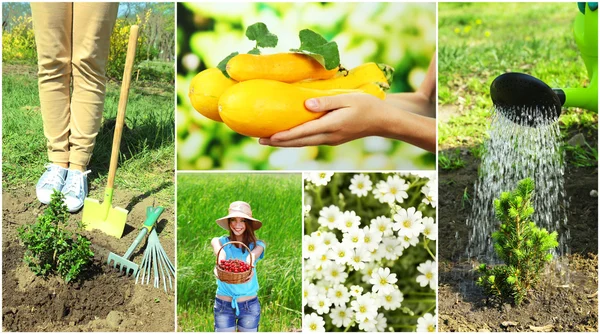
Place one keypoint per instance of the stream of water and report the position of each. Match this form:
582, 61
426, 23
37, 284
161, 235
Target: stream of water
513, 152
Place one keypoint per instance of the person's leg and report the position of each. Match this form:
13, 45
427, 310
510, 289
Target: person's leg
224, 316
92, 26
52, 23
249, 317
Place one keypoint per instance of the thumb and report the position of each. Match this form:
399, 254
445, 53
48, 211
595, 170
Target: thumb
326, 103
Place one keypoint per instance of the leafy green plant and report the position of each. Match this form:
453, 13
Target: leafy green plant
450, 161
51, 248
524, 248
582, 156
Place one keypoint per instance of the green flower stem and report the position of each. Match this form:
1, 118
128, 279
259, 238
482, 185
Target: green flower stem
419, 300
430, 309
426, 245
404, 326
318, 199
350, 326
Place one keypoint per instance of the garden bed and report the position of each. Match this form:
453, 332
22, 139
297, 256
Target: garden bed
104, 301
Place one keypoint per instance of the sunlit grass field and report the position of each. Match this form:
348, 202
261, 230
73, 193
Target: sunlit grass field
276, 200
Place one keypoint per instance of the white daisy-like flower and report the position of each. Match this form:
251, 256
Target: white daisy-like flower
312, 247
371, 238
321, 304
306, 210
367, 271
341, 316
381, 323
431, 195
391, 300
312, 270
429, 271
359, 257
309, 293
335, 273
430, 230
427, 323
329, 239
368, 324
365, 306
407, 241
320, 178
354, 238
349, 221
383, 281
356, 290
391, 191
391, 248
313, 323
383, 225
328, 216
360, 185
340, 253
339, 294
408, 222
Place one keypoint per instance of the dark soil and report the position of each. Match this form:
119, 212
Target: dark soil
559, 303
104, 301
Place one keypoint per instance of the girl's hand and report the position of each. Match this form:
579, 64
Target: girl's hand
350, 116
250, 259
249, 277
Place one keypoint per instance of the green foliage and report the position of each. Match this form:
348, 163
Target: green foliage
582, 156
260, 33
223, 64
317, 46
450, 160
51, 248
18, 43
520, 244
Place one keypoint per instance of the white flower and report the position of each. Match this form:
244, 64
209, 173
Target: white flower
381, 323
430, 230
383, 225
321, 304
349, 221
407, 241
335, 274
339, 295
312, 270
328, 216
360, 185
408, 222
356, 290
341, 316
391, 248
383, 281
306, 210
429, 271
368, 324
329, 239
313, 323
394, 190
430, 192
340, 253
312, 247
391, 300
354, 238
367, 271
309, 293
371, 238
358, 258
364, 307
427, 323
320, 178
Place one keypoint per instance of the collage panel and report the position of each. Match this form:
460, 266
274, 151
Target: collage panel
88, 167
289, 107
518, 167
369, 249
222, 218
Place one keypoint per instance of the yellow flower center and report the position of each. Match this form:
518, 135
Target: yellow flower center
313, 327
342, 254
349, 223
367, 239
431, 328
406, 223
360, 186
334, 273
338, 294
362, 309
311, 248
393, 191
321, 303
388, 298
382, 281
355, 239
429, 275
342, 314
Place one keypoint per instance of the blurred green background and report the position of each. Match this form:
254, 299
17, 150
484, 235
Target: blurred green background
276, 199
402, 35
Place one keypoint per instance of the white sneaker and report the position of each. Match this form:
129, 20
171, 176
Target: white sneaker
75, 189
52, 179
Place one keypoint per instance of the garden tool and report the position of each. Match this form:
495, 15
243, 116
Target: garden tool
125, 265
103, 216
520, 97
157, 263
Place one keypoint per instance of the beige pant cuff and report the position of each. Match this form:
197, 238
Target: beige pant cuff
59, 157
80, 158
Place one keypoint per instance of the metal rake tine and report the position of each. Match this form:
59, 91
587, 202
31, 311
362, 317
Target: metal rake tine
155, 267
162, 268
165, 259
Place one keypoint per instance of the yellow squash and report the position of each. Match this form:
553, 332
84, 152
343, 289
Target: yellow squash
261, 108
284, 67
206, 89
356, 77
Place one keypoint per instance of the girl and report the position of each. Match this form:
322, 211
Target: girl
236, 305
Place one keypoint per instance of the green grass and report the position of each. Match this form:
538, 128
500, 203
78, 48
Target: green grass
582, 156
479, 41
450, 160
146, 161
276, 200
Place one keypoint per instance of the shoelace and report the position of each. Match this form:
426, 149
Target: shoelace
75, 185
53, 177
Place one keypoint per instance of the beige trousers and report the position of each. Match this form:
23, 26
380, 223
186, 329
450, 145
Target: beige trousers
72, 44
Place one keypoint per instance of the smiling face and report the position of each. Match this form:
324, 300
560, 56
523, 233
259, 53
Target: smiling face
237, 226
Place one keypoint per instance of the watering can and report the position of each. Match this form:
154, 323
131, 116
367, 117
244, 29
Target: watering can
520, 97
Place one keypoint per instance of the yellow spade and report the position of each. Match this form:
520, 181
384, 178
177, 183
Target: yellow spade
103, 216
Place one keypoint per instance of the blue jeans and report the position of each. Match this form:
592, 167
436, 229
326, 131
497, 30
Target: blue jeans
227, 321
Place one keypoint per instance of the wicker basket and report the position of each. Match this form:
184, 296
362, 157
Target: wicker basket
229, 277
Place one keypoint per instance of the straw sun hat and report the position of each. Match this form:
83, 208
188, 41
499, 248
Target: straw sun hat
239, 209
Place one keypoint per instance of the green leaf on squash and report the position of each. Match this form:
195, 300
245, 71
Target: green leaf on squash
223, 64
260, 33
316, 46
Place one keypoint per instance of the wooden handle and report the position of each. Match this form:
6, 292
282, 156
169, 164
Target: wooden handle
232, 242
114, 156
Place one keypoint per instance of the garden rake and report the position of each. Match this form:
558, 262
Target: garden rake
123, 262
156, 262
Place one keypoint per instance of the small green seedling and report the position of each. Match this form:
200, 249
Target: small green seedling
51, 248
450, 161
524, 248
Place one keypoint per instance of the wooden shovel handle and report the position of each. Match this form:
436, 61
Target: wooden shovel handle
114, 156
